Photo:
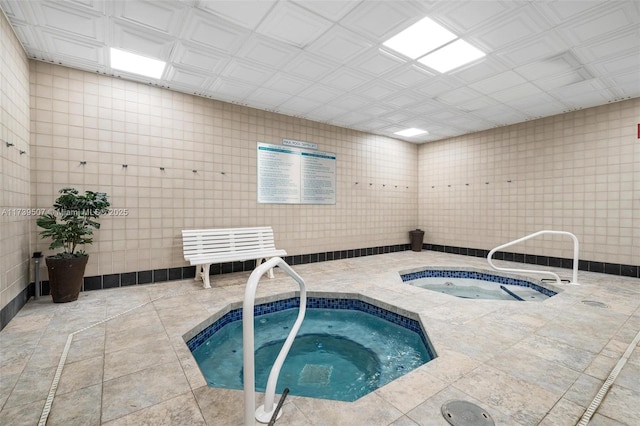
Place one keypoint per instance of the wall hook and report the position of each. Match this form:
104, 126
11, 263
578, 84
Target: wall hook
370, 184
357, 183
508, 181
9, 144
223, 173
162, 169
22, 152
194, 171
82, 163
124, 166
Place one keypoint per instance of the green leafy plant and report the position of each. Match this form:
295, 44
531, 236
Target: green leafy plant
74, 220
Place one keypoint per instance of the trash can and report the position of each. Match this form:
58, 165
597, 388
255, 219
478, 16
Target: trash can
416, 238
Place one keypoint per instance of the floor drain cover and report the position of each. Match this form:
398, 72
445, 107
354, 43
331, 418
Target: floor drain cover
463, 413
595, 303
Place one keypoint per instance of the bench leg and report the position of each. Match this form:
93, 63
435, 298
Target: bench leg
198, 273
205, 276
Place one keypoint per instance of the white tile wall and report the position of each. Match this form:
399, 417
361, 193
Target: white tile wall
107, 122
14, 166
576, 172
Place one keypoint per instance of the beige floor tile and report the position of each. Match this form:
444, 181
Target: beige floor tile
181, 410
127, 394
77, 408
80, 374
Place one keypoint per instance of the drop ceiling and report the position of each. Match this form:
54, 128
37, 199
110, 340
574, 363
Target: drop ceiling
325, 60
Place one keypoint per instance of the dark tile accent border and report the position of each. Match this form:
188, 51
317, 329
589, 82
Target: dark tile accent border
583, 265
167, 274
12, 308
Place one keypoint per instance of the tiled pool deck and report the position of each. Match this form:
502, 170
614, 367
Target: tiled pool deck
525, 363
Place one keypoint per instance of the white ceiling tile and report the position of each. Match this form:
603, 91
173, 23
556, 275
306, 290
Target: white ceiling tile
517, 92
298, 105
320, 93
375, 63
463, 16
350, 102
532, 49
339, 45
403, 100
161, 16
436, 86
193, 56
616, 44
627, 84
141, 40
521, 24
246, 13
618, 64
617, 16
267, 97
381, 20
268, 52
501, 114
292, 24
498, 82
310, 66
539, 105
351, 118
376, 124
480, 70
85, 22
68, 47
344, 79
377, 90
409, 76
562, 11
398, 116
376, 110
19, 11
186, 78
326, 112
476, 104
587, 99
247, 72
214, 32
458, 96
562, 79
576, 89
227, 89
287, 84
558, 64
28, 35
334, 10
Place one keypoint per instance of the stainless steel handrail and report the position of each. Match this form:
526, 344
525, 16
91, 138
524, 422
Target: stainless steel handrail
574, 279
264, 413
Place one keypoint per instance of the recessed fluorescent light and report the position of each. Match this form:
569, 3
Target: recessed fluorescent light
136, 64
411, 132
451, 56
420, 38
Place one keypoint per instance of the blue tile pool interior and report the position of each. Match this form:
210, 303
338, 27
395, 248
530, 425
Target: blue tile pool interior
314, 303
428, 273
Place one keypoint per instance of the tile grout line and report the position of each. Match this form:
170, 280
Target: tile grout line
63, 358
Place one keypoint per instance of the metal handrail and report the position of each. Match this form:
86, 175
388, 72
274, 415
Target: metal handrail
574, 279
264, 413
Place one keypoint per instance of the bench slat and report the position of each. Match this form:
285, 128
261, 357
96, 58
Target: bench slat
204, 247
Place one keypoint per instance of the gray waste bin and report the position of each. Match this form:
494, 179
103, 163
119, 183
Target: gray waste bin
416, 238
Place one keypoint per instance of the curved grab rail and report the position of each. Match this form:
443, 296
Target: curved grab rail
574, 279
264, 413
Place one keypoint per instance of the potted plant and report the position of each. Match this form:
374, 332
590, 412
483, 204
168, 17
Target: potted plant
71, 226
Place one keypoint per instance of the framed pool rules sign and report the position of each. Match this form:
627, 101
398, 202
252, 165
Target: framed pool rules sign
292, 175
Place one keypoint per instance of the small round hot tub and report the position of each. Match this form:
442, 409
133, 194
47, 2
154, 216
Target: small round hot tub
478, 284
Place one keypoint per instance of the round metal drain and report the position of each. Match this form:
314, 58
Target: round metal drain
464, 413
595, 303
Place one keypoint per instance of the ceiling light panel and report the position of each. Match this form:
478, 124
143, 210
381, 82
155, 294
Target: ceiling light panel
411, 132
420, 38
452, 56
136, 64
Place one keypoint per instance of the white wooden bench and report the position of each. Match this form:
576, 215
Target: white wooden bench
203, 247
